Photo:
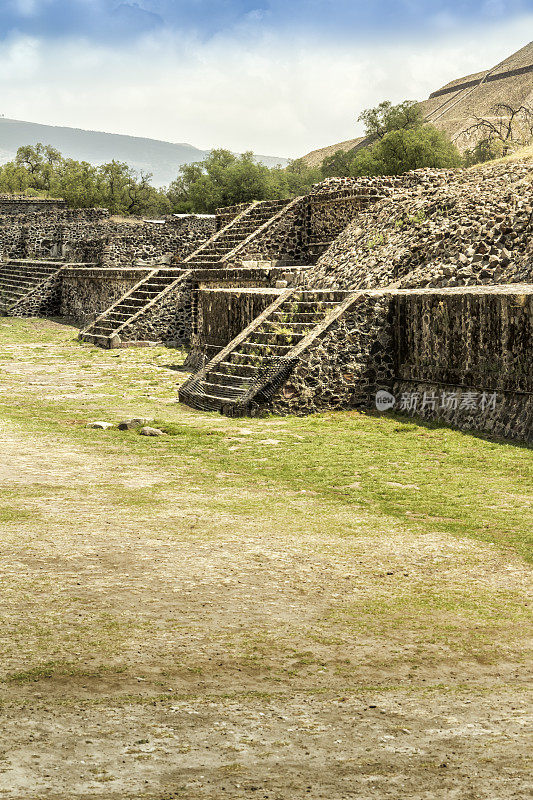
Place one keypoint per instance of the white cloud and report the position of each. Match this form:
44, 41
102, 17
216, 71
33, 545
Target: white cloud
277, 97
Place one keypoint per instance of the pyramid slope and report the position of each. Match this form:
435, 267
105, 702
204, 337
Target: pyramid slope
455, 106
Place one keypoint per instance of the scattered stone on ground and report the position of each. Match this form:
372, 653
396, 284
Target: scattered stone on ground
132, 424
148, 431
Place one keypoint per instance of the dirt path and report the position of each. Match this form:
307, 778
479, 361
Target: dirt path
159, 641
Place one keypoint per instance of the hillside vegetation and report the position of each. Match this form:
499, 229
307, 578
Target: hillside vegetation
160, 159
457, 110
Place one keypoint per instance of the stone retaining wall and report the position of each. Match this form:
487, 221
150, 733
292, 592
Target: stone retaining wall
459, 356
20, 204
464, 357
44, 301
222, 313
345, 365
283, 239
87, 293
168, 321
90, 235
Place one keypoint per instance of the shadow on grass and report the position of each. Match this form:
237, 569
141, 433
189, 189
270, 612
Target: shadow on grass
441, 425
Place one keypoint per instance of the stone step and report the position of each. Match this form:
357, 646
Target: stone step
289, 339
222, 390
240, 370
22, 286
294, 326
227, 379
26, 276
15, 287
262, 349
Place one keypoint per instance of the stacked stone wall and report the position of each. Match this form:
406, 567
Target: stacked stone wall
90, 235
87, 293
44, 301
463, 358
168, 321
284, 239
20, 204
222, 314
346, 364
438, 229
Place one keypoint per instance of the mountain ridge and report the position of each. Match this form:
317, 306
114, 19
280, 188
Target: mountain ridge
161, 158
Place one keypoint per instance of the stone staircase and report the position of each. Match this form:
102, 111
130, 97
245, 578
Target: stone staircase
21, 277
219, 248
105, 330
262, 356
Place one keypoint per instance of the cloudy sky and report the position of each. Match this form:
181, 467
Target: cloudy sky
280, 77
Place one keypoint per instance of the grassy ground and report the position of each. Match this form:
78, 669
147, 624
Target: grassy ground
330, 607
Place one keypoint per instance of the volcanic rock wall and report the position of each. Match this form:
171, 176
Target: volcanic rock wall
21, 204
440, 228
222, 313
459, 356
463, 357
90, 235
169, 321
347, 363
86, 292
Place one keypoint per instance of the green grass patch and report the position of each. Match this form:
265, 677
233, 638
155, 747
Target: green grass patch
395, 471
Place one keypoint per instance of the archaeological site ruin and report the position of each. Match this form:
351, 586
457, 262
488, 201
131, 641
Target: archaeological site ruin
415, 289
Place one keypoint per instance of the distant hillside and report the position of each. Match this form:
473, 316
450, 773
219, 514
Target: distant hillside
162, 159
453, 108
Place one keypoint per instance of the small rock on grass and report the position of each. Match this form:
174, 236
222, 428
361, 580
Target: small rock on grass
101, 426
131, 424
147, 431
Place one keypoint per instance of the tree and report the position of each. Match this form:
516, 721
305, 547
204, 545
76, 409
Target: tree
402, 150
224, 179
387, 117
400, 141
14, 179
337, 164
507, 129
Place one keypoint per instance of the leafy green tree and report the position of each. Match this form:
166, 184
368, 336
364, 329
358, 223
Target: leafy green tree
401, 142
297, 178
76, 181
338, 164
14, 179
387, 117
402, 150
222, 179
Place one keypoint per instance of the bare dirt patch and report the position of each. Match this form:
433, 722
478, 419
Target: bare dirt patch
171, 628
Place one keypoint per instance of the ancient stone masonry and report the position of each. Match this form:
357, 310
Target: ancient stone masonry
418, 285
226, 215
21, 204
344, 364
223, 313
90, 235
463, 356
456, 234
87, 292
169, 320
43, 301
281, 237
440, 228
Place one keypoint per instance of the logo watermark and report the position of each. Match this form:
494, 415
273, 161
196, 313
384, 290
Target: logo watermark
442, 401
385, 401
